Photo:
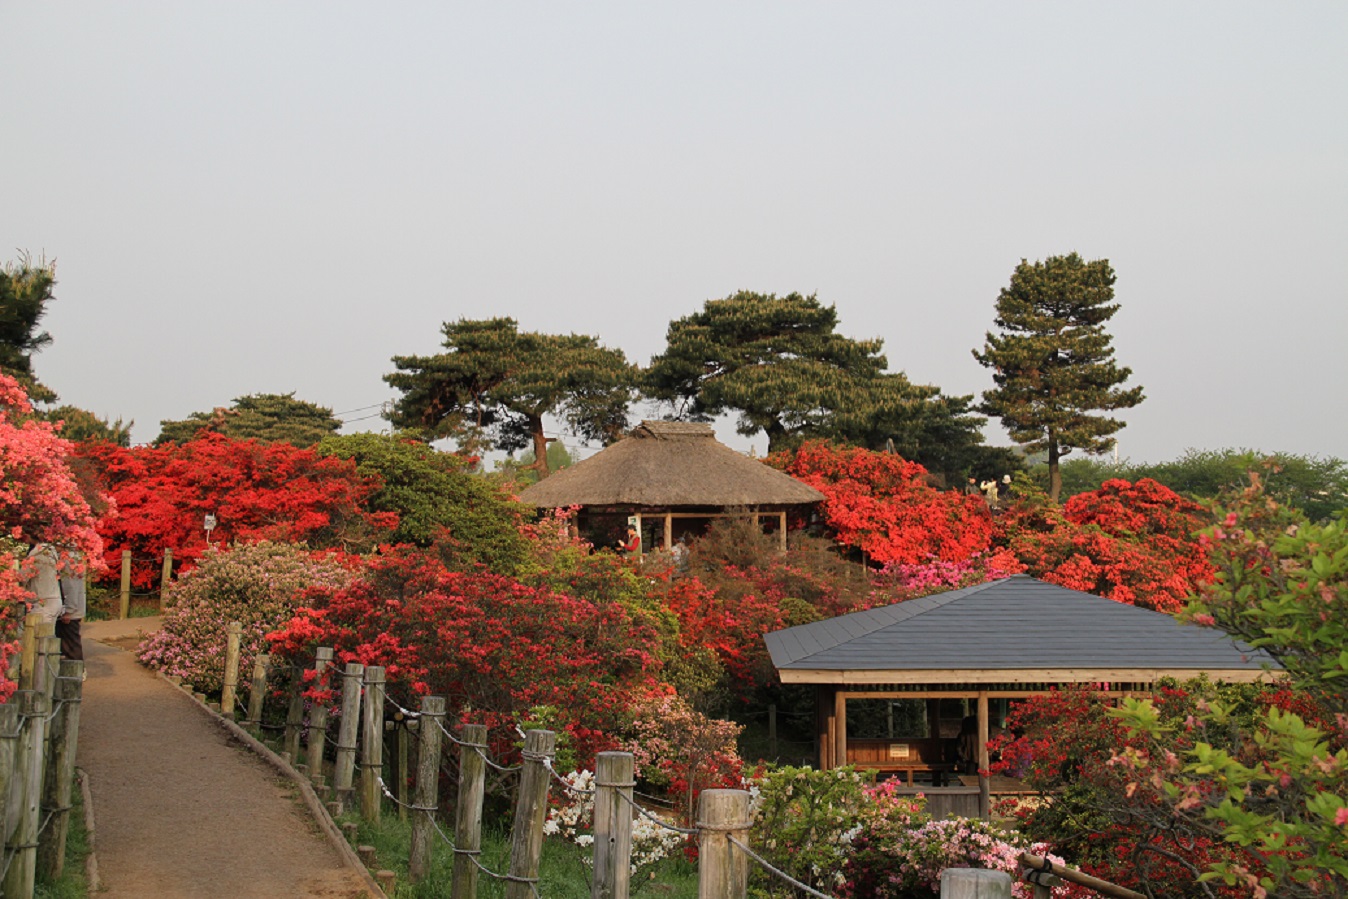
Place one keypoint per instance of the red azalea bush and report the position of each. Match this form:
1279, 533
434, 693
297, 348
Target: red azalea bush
1114, 820
881, 504
256, 491
40, 502
494, 647
1133, 543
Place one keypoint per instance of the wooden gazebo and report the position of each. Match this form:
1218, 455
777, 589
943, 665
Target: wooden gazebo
675, 476
1001, 640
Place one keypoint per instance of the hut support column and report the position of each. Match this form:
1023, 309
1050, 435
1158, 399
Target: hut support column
669, 531
984, 797
823, 725
781, 530
641, 548
840, 728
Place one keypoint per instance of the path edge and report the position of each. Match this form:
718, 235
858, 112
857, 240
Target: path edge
311, 800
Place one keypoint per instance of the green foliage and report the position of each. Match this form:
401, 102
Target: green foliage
494, 383
780, 363
438, 500
265, 417
1316, 486
82, 426
524, 471
1052, 362
25, 290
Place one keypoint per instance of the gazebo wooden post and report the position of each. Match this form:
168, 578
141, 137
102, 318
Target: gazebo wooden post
823, 724
840, 728
984, 788
781, 530
669, 530
641, 549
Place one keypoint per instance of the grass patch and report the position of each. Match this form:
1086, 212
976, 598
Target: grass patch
71, 884
563, 873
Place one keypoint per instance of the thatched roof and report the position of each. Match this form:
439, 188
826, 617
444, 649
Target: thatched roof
668, 463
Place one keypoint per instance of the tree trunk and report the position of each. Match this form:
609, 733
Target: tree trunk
540, 447
1054, 473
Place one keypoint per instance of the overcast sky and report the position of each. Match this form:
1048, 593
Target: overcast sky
273, 197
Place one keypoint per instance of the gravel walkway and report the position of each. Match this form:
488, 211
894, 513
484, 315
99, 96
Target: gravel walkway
181, 809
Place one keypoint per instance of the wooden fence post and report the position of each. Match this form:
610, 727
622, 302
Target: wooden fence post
722, 870
347, 732
257, 691
60, 778
126, 584
468, 814
32, 632
372, 739
526, 837
318, 716
295, 716
402, 729
48, 663
233, 638
428, 787
612, 825
11, 724
19, 879
166, 575
975, 883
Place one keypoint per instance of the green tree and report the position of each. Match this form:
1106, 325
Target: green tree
437, 499
494, 383
1052, 361
266, 417
83, 426
25, 290
781, 364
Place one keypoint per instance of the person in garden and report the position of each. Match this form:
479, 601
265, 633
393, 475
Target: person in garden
73, 605
631, 544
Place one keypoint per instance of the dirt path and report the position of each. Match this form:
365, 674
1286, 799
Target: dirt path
181, 809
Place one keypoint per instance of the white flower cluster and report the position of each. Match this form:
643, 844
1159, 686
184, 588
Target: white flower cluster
575, 822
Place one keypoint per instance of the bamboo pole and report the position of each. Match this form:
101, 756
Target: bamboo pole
227, 693
722, 871
19, 879
126, 585
372, 759
468, 814
318, 716
526, 837
347, 732
428, 787
257, 691
612, 825
60, 777
1103, 887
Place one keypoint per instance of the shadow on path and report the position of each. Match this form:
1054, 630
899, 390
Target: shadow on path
181, 810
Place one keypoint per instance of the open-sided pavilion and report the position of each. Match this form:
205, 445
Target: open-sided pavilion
1002, 640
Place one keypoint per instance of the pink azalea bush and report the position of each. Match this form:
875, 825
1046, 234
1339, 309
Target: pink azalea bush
893, 859
259, 585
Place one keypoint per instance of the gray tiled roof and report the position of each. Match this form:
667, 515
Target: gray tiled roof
1013, 623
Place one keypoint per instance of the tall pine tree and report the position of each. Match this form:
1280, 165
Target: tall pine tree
1052, 361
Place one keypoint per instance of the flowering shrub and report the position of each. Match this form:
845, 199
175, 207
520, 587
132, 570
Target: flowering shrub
257, 584
493, 647
881, 504
899, 581
574, 821
256, 491
903, 862
805, 821
40, 502
677, 747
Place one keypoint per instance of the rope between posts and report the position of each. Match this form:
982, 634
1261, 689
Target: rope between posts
566, 785
479, 748
472, 855
687, 831
407, 805
768, 867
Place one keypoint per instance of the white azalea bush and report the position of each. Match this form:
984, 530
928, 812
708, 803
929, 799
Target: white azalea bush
651, 843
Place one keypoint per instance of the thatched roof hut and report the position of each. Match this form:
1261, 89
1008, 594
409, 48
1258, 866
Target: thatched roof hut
671, 470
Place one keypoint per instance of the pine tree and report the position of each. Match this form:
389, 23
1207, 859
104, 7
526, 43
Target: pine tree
25, 290
1052, 361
